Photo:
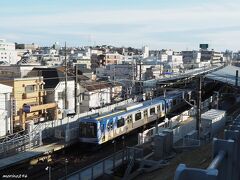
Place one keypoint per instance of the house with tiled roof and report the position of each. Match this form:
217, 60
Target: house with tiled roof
95, 94
54, 79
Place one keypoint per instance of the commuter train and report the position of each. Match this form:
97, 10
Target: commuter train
98, 129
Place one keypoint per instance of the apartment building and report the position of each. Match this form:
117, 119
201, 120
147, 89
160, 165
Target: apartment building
7, 52
5, 110
28, 101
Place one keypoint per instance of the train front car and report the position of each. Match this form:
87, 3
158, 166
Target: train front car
89, 131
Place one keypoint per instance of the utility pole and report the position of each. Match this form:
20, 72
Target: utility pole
75, 92
114, 75
140, 77
66, 69
199, 100
140, 70
236, 80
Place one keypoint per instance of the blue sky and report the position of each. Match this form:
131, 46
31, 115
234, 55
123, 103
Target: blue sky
175, 24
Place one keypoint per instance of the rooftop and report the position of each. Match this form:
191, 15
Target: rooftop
226, 75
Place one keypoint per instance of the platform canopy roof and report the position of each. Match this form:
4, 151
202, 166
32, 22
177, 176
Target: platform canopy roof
226, 75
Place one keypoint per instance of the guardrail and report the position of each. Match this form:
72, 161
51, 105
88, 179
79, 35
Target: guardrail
20, 143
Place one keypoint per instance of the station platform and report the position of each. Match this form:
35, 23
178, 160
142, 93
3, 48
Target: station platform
33, 153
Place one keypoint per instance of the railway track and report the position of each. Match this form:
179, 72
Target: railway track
77, 157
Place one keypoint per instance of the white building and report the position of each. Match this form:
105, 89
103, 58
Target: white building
175, 60
192, 59
174, 63
50, 51
7, 52
97, 94
116, 71
163, 57
5, 110
145, 51
128, 72
57, 95
94, 95
213, 56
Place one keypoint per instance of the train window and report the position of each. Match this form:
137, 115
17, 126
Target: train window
120, 122
152, 111
163, 107
88, 130
158, 108
145, 113
110, 126
138, 116
174, 102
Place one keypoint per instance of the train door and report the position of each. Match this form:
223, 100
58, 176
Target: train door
145, 116
120, 129
110, 130
129, 124
102, 127
138, 119
158, 111
163, 109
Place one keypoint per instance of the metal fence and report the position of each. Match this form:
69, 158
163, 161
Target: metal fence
106, 165
35, 133
20, 143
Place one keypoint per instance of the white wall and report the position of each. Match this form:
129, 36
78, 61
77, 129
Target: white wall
175, 59
94, 99
163, 57
8, 52
52, 95
5, 107
99, 97
145, 51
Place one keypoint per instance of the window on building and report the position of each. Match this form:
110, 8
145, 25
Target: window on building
30, 88
152, 111
120, 122
82, 96
138, 116
60, 95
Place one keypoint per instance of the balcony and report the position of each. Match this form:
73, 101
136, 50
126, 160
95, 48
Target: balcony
30, 95
32, 108
34, 94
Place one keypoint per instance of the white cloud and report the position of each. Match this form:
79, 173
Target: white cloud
132, 26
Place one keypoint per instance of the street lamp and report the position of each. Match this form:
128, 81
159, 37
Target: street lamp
48, 168
123, 139
66, 162
114, 150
